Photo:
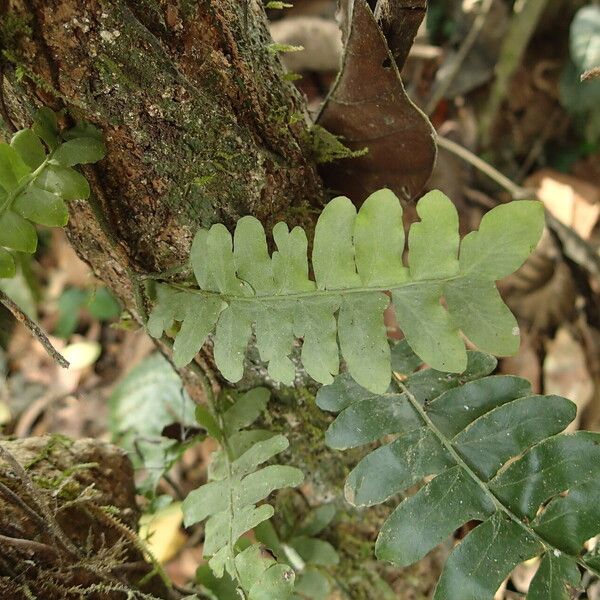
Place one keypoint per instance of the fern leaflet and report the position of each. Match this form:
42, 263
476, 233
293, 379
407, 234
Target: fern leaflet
228, 501
497, 456
355, 259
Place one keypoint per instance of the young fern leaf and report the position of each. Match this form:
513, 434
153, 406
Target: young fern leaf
355, 259
36, 180
497, 456
236, 485
307, 554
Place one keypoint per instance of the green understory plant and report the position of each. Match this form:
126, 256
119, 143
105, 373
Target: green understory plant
478, 448
356, 259
491, 452
37, 177
236, 484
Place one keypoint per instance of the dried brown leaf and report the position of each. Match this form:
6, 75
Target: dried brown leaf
368, 107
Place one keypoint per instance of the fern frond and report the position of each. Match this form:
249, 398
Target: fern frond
355, 259
228, 501
36, 180
497, 456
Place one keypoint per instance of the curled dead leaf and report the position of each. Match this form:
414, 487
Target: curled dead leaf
369, 108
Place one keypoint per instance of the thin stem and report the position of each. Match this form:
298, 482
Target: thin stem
229, 458
515, 190
574, 246
29, 545
315, 292
460, 56
35, 330
481, 484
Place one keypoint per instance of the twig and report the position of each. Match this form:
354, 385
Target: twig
515, 190
34, 329
440, 91
18, 501
574, 246
28, 545
50, 522
591, 74
522, 26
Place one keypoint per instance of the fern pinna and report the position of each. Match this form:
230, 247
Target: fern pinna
355, 259
228, 501
496, 455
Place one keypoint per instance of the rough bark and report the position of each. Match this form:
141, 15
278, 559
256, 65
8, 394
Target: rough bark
200, 124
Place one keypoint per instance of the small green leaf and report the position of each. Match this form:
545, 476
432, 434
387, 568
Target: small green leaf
433, 242
12, 167
29, 147
45, 126
502, 543
83, 130
476, 307
79, 151
199, 320
333, 252
363, 342
219, 525
208, 421
567, 520
274, 339
511, 429
252, 260
277, 582
103, 305
200, 263
424, 520
66, 182
314, 321
290, 262
570, 460
259, 453
42, 207
17, 233
313, 585
231, 340
315, 551
428, 328
219, 255
506, 237
246, 410
555, 579
317, 520
8, 268
379, 240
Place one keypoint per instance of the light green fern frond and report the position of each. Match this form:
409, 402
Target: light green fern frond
237, 484
356, 258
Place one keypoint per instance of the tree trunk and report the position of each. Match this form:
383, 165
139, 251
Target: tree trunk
200, 124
